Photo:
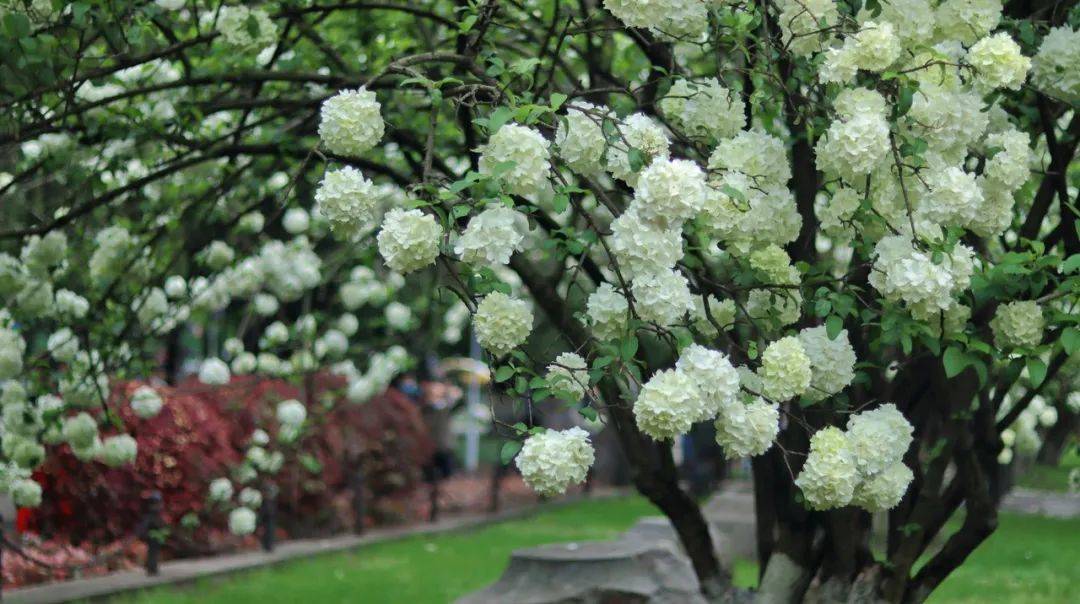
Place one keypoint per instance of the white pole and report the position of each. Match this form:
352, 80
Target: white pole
472, 429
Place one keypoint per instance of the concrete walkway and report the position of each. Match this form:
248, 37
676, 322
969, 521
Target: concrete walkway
185, 571
1043, 503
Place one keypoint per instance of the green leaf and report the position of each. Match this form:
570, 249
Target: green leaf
467, 23
1036, 371
504, 373
509, 449
560, 202
16, 25
1071, 264
629, 347
955, 361
833, 326
1070, 340
588, 413
636, 158
557, 100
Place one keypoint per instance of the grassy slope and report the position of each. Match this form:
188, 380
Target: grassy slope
1029, 560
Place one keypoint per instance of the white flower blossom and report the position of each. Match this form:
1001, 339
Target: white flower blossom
409, 240
351, 122
832, 361
829, 476
569, 374
662, 297
552, 460
519, 156
492, 236
502, 323
785, 369
668, 404
214, 372
1018, 324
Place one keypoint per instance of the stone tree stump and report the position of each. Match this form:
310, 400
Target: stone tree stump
627, 571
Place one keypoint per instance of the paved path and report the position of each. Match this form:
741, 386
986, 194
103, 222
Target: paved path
185, 571
1044, 503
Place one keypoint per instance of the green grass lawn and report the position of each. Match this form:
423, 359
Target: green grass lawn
1051, 478
1029, 560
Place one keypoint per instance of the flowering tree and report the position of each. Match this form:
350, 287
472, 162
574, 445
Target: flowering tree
843, 232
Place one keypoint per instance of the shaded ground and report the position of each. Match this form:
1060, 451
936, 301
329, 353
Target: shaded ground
1029, 560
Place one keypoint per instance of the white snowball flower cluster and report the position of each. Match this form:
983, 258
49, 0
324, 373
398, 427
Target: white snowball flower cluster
832, 361
641, 247
837, 214
348, 200
502, 323
398, 316
291, 412
71, 305
553, 460
954, 198
25, 493
662, 297
1055, 69
998, 63
785, 371
641, 133
118, 450
250, 498
234, 23
949, 121
676, 18
526, 152
146, 402
115, 246
884, 490
363, 287
80, 431
288, 269
607, 310
802, 21
296, 221
829, 476
855, 144
875, 46
716, 379
220, 490
747, 429
409, 240
668, 405
1018, 324
705, 109
63, 345
580, 137
670, 191
242, 521
40, 254
755, 153
1005, 172
912, 20
758, 215
569, 374
967, 20
214, 372
720, 316
878, 438
492, 236
862, 466
900, 272
351, 123
12, 348
332, 344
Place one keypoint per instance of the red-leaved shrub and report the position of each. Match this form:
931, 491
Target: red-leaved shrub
203, 432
